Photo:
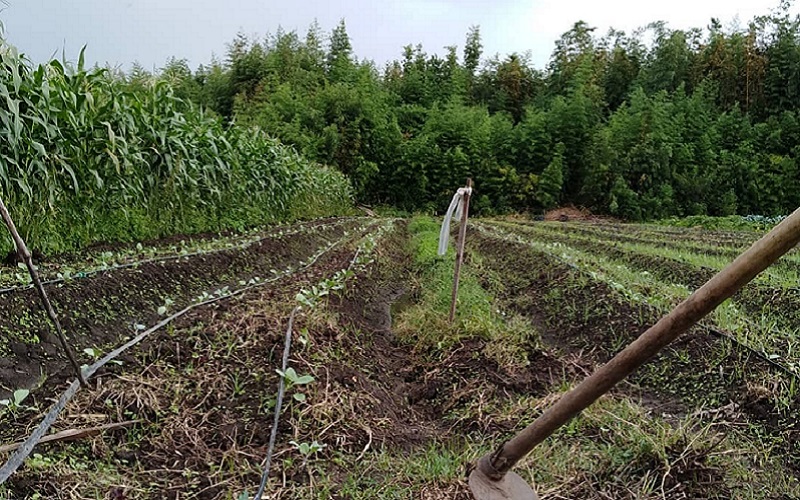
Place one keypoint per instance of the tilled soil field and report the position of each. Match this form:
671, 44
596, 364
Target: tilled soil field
100, 309
386, 398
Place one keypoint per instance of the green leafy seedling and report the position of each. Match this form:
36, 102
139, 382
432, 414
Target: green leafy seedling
163, 309
307, 449
95, 355
16, 399
303, 338
292, 378
305, 298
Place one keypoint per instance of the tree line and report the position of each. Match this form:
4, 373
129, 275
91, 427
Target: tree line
656, 123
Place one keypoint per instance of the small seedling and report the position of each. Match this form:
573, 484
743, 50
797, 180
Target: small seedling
163, 309
292, 378
303, 339
16, 400
307, 449
23, 278
95, 355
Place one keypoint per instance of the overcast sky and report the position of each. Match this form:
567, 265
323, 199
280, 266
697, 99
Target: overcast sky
150, 31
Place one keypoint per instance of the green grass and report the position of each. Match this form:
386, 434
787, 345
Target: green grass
426, 324
615, 446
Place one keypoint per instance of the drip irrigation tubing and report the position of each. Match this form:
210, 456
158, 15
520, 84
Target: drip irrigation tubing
278, 405
28, 445
710, 329
242, 246
282, 388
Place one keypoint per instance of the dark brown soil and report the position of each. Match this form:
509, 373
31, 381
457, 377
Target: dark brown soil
213, 419
571, 213
584, 316
176, 239
417, 392
98, 311
13, 258
754, 297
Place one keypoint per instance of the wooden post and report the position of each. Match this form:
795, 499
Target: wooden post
724, 284
23, 252
462, 234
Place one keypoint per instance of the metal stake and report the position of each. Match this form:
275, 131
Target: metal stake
462, 235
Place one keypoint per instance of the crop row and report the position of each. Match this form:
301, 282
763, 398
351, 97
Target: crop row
83, 265
365, 239
98, 310
587, 307
733, 240
784, 274
771, 299
86, 156
769, 330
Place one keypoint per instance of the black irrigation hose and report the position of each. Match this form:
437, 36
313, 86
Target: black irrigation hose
26, 448
711, 330
281, 389
278, 405
719, 333
168, 258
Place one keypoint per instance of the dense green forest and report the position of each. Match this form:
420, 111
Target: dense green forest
87, 155
660, 122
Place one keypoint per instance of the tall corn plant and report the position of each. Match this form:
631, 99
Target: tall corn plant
86, 156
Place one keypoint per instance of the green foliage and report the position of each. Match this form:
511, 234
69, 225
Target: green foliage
87, 156
17, 398
307, 449
292, 378
698, 122
551, 181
